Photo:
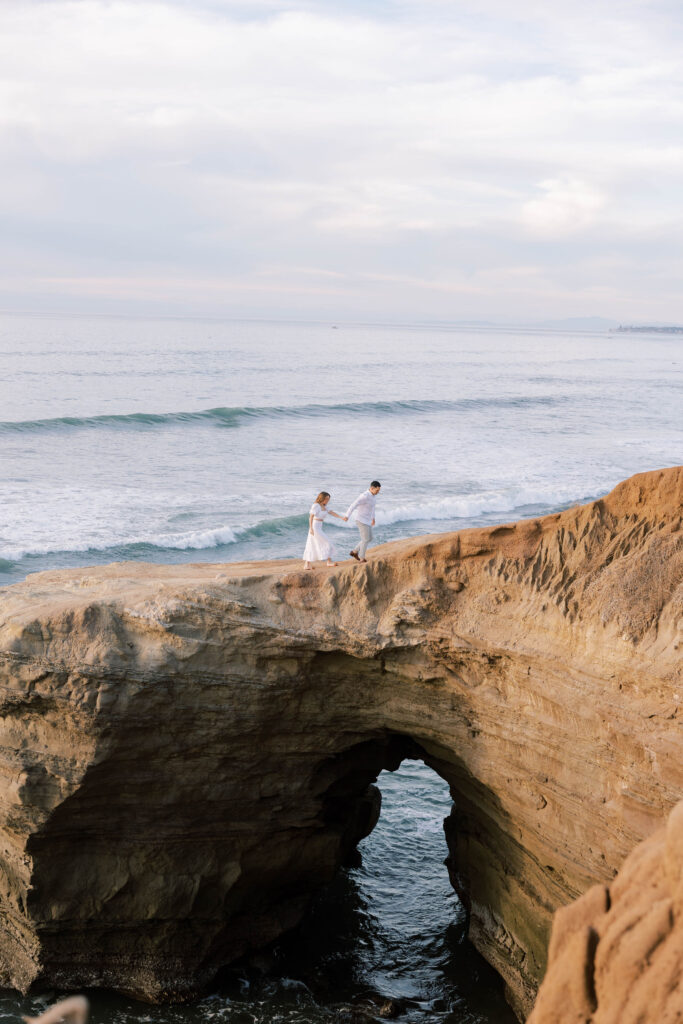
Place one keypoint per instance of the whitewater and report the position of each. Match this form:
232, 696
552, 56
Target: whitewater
177, 440
186, 440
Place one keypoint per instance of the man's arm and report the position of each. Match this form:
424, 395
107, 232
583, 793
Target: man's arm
353, 506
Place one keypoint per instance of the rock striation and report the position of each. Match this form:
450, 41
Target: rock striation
187, 752
616, 954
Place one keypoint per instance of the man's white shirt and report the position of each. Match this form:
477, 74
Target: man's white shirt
364, 507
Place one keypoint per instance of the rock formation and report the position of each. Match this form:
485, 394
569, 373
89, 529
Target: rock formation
616, 954
188, 751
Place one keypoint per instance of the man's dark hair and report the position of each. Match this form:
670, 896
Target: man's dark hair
375, 483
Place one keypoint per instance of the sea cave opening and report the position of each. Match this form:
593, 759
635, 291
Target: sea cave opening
388, 937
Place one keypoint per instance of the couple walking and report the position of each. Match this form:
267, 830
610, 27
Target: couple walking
318, 547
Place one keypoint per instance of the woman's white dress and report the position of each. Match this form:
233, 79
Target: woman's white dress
318, 547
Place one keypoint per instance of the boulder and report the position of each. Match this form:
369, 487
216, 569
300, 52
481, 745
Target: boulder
616, 954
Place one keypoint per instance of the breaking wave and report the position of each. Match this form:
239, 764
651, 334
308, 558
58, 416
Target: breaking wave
449, 509
236, 416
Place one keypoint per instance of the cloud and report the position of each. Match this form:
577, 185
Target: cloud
194, 143
566, 206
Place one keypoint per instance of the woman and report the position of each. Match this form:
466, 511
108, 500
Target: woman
317, 545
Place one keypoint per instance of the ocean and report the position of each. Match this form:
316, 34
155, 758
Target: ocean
199, 440
168, 440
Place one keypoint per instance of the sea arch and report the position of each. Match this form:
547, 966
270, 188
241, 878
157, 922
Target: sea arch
188, 749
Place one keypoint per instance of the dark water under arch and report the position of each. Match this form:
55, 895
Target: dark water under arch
391, 928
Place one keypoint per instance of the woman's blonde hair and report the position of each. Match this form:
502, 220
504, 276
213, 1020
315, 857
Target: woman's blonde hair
321, 497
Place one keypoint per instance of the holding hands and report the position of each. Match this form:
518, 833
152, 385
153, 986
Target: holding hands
318, 547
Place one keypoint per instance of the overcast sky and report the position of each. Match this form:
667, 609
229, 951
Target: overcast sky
439, 159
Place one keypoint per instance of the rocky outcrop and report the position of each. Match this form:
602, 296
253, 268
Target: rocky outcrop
188, 751
616, 954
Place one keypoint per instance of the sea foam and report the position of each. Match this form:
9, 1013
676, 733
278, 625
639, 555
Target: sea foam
448, 509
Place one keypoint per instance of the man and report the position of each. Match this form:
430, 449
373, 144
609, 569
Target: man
364, 507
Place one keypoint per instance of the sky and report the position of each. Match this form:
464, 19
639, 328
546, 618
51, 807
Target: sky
387, 160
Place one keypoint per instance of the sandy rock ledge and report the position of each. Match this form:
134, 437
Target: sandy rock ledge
187, 752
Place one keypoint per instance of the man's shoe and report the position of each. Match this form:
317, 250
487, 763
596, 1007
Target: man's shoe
354, 554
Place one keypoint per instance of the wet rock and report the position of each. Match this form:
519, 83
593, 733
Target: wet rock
391, 1008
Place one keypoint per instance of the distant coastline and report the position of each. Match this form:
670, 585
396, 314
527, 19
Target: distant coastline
646, 329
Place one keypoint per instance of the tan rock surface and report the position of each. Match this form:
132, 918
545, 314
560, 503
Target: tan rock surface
616, 954
186, 750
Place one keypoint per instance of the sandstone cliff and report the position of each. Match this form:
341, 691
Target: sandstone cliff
187, 751
616, 954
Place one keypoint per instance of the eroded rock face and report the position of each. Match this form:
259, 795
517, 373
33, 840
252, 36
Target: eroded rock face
616, 954
187, 750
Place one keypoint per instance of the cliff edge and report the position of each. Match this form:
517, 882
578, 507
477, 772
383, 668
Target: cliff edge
187, 751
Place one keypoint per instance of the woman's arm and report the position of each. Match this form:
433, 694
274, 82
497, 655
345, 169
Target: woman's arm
335, 514
310, 523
